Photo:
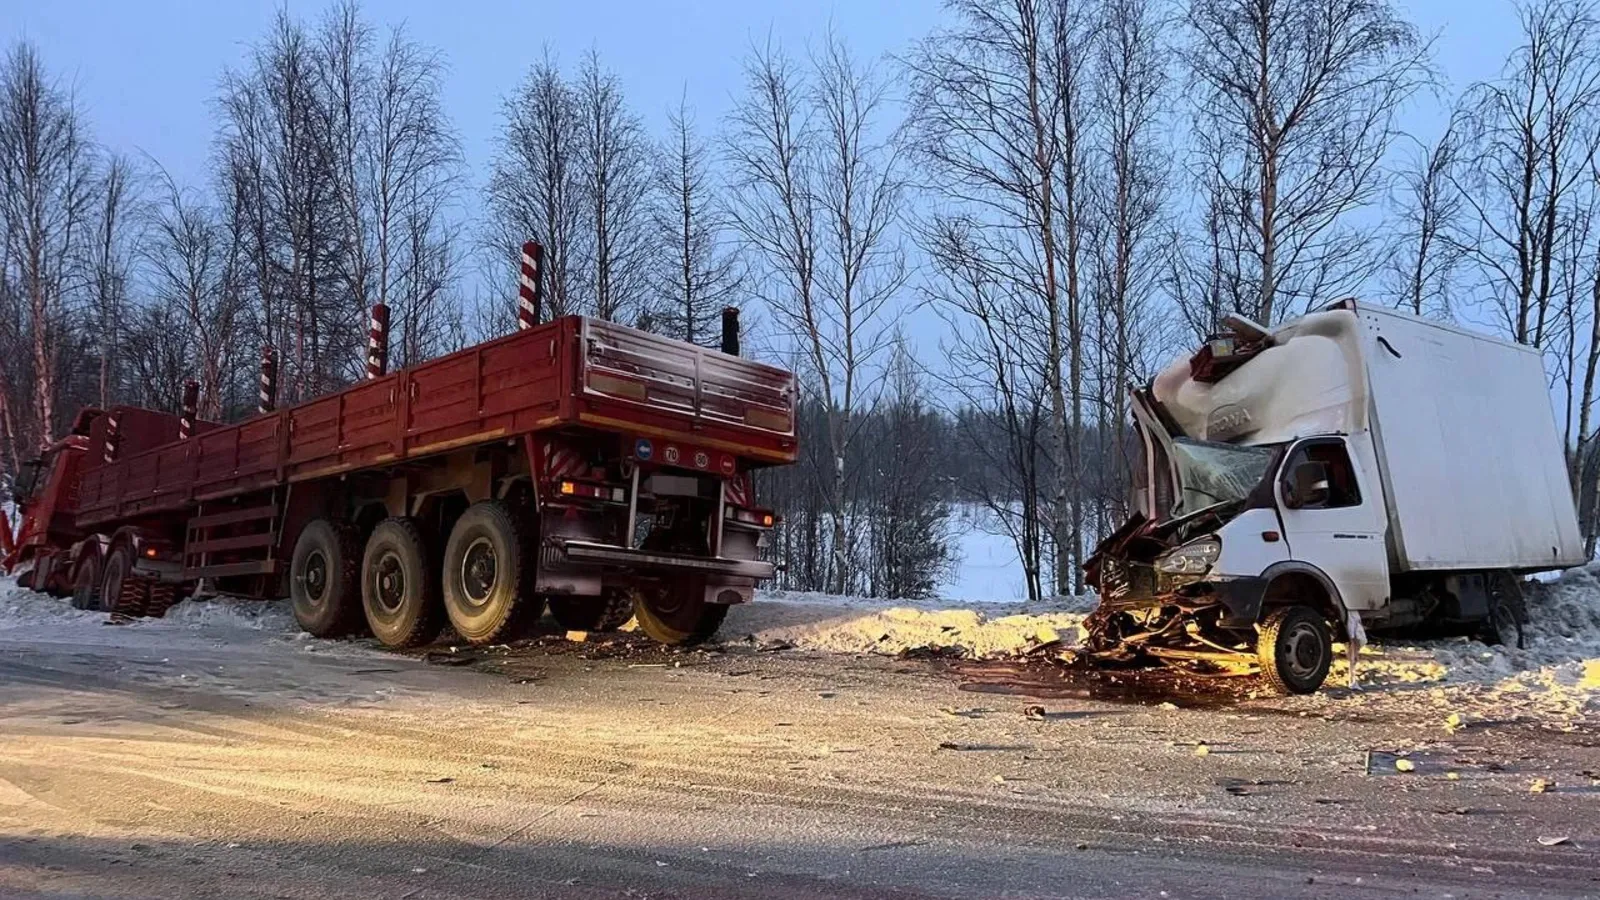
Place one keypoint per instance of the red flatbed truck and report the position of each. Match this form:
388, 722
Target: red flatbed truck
598, 469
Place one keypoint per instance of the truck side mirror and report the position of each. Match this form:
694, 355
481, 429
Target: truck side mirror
1307, 485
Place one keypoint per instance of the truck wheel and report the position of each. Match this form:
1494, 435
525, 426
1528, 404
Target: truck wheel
1296, 649
325, 579
113, 597
607, 612
677, 613
86, 586
399, 592
1506, 614
488, 574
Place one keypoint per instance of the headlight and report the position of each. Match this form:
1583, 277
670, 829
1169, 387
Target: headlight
1193, 558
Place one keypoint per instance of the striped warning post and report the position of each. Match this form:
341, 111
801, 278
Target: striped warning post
378, 342
530, 291
191, 404
109, 451
269, 380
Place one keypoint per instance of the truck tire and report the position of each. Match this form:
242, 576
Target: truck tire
114, 595
399, 592
607, 612
1295, 648
325, 579
676, 612
1507, 614
86, 584
488, 574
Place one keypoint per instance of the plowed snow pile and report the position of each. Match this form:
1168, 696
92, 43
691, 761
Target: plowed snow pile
1558, 674
859, 625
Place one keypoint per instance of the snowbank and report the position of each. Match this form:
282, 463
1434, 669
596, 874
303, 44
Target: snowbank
1558, 672
860, 625
24, 611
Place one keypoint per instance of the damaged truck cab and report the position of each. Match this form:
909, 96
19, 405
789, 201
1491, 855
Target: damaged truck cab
1353, 469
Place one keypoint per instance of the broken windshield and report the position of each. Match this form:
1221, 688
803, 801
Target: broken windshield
1209, 473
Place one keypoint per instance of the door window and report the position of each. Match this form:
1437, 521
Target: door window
1335, 459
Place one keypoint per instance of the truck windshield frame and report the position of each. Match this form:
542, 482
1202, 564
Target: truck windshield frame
1212, 474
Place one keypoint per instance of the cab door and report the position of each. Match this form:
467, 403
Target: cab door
1333, 519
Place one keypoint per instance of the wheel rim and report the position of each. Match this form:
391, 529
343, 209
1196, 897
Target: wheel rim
1302, 650
479, 571
389, 582
1505, 624
316, 578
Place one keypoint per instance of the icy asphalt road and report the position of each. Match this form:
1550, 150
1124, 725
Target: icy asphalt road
206, 761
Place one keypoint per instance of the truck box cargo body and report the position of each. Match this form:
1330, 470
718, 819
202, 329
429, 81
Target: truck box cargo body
592, 464
1358, 463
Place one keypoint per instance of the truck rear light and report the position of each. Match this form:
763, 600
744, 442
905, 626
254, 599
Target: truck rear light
758, 517
618, 387
767, 420
592, 491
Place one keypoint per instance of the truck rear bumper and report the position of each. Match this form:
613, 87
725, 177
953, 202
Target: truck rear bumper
589, 553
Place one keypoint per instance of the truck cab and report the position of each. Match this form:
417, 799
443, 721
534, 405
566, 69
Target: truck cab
1354, 468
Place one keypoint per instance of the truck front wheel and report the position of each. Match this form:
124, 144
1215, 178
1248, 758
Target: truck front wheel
325, 579
1295, 648
488, 574
676, 612
399, 591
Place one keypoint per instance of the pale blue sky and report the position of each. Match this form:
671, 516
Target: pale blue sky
146, 70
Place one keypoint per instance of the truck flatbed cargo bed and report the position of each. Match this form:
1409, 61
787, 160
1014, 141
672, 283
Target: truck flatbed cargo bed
571, 371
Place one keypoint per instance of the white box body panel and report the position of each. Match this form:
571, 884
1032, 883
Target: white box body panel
1471, 459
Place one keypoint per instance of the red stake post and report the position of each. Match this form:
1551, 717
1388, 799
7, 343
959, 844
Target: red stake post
378, 342
530, 292
191, 403
269, 380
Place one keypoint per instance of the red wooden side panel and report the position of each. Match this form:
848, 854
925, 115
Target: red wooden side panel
314, 435
444, 401
96, 490
175, 473
260, 450
218, 458
522, 381
368, 422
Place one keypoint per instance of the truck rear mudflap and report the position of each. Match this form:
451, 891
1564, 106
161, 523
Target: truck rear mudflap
590, 553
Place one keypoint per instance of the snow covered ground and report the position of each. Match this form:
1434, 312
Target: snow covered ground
1556, 679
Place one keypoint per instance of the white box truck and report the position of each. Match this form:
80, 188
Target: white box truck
1355, 465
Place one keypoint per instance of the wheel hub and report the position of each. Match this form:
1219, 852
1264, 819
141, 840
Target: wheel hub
1304, 651
390, 581
479, 569
316, 577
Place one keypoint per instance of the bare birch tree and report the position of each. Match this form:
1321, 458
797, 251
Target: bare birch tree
46, 207
1427, 253
112, 256
999, 111
700, 273
1294, 116
1531, 143
534, 188
817, 188
614, 174
1131, 76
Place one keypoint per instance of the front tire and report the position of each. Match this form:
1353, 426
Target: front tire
676, 613
399, 592
1507, 614
325, 579
488, 574
1295, 647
